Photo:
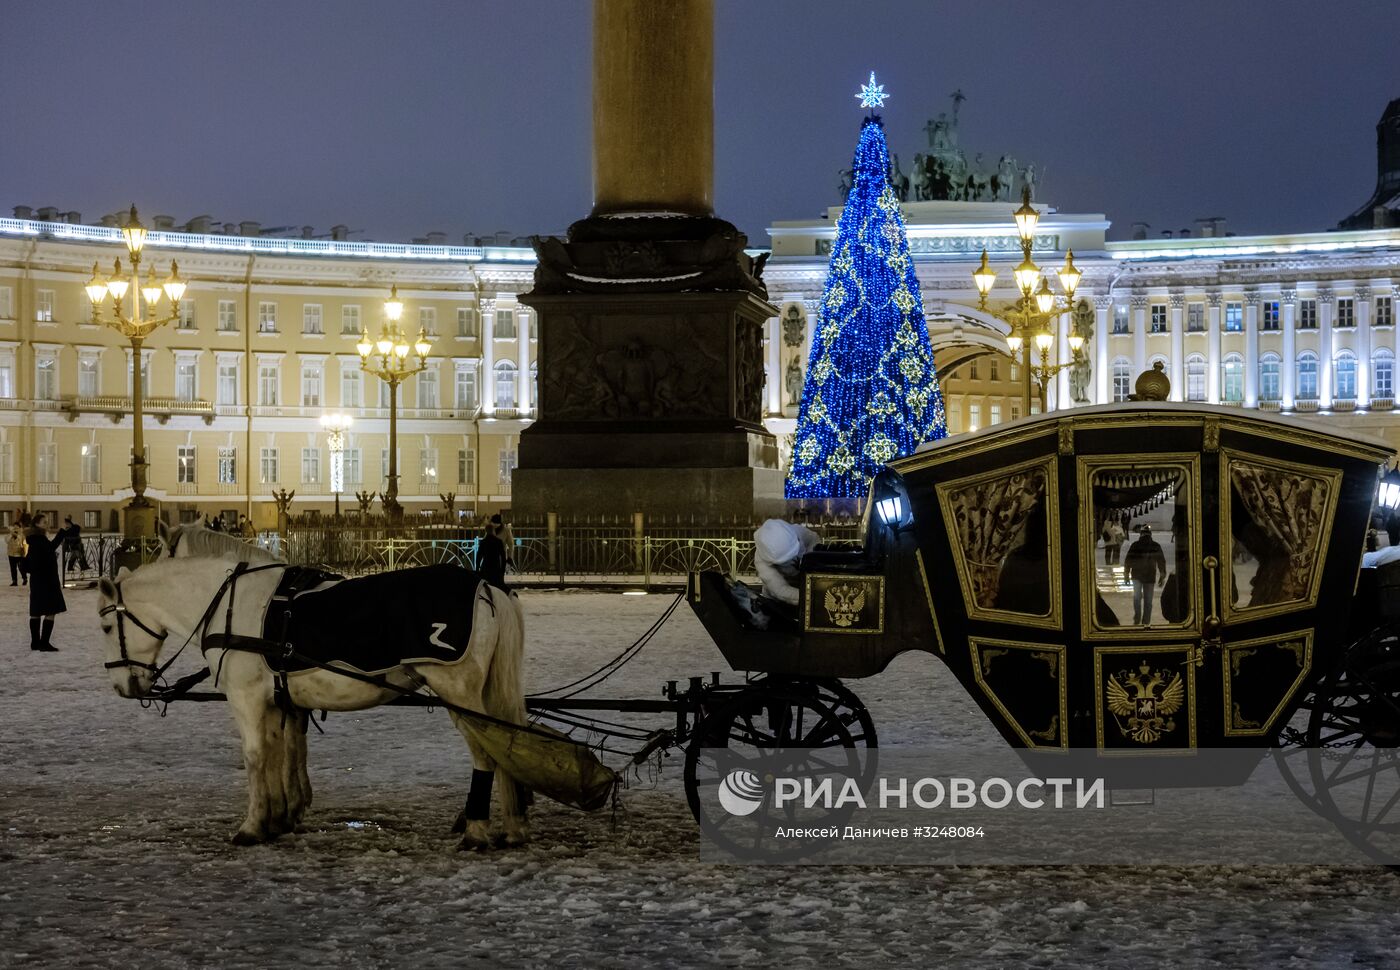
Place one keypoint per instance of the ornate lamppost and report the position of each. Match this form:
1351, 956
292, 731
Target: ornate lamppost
136, 327
1032, 317
387, 357
336, 424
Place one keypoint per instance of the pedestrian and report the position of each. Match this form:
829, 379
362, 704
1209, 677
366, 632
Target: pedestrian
245, 528
15, 546
1113, 549
1144, 562
217, 524
496, 545
72, 537
45, 588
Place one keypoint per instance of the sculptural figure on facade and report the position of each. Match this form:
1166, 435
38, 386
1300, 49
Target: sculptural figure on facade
792, 380
919, 179
1006, 178
899, 182
794, 326
1082, 370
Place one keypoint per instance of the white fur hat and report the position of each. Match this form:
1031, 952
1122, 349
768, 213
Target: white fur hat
777, 541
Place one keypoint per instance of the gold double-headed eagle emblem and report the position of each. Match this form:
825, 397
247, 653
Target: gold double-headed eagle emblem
844, 602
1143, 702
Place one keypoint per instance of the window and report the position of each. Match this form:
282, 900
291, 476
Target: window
1015, 410
428, 388
350, 464
267, 384
186, 378
1014, 372
267, 466
351, 386
7, 461
7, 373
1195, 317
972, 371
1346, 312
89, 376
427, 320
505, 324
1269, 377
48, 462
1120, 318
974, 417
1195, 378
311, 371
267, 317
466, 469
1383, 375
228, 466
227, 391
185, 465
954, 418
1122, 379
1232, 378
92, 519
509, 459
90, 464
1234, 317
45, 376
993, 367
311, 318
1307, 376
310, 466
466, 321
464, 380
1344, 376
1385, 311
1307, 314
228, 316
1159, 318
350, 320
43, 306
187, 315
994, 415
427, 468
1269, 320
505, 384
7, 303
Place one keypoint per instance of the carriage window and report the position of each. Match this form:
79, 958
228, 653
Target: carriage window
1140, 524
1003, 531
1279, 521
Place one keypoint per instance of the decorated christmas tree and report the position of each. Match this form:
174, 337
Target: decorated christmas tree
871, 393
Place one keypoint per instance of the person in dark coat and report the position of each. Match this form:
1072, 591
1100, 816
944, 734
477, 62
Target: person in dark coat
45, 585
495, 553
1144, 562
72, 537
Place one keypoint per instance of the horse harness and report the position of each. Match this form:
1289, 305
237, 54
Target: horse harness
120, 609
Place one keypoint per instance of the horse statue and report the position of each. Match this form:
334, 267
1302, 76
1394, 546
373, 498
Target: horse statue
899, 182
919, 179
450, 630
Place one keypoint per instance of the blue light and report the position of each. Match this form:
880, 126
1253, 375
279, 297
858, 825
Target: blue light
871, 393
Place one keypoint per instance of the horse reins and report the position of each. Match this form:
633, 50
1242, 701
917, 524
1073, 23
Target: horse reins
123, 613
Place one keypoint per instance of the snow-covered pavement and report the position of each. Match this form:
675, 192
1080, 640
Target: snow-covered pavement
114, 826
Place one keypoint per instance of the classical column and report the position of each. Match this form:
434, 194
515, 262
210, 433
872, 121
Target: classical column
1363, 346
1178, 368
1251, 348
1139, 305
1213, 355
1288, 369
773, 366
653, 106
522, 361
1324, 348
1060, 390
1102, 305
488, 358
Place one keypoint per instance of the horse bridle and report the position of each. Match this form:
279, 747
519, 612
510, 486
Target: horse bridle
123, 613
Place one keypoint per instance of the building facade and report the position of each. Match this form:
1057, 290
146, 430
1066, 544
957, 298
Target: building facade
265, 345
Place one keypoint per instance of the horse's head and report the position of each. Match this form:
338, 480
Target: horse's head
133, 643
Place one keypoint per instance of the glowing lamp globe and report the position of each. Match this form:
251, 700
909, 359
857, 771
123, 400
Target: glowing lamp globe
1389, 493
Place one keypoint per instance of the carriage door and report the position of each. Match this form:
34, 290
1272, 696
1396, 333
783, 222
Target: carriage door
1140, 607
1275, 518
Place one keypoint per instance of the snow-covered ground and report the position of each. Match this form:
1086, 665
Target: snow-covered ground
114, 826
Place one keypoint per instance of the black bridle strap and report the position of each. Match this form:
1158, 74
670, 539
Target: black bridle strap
120, 609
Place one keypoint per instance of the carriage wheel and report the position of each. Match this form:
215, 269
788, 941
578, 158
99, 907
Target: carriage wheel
777, 728
1354, 741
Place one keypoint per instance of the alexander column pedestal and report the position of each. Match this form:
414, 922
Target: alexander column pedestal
650, 312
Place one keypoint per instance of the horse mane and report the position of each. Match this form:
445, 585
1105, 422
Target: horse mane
197, 541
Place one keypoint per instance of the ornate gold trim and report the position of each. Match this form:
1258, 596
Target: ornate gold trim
1230, 656
928, 598
1188, 462
1185, 651
975, 444
1054, 619
1066, 437
1333, 477
990, 649
807, 626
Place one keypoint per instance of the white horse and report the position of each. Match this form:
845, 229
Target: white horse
169, 600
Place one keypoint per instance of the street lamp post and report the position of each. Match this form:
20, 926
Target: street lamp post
1033, 315
136, 327
336, 425
387, 357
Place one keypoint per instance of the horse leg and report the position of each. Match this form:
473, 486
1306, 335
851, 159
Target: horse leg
474, 821
252, 713
294, 778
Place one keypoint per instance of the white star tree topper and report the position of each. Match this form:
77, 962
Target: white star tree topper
872, 95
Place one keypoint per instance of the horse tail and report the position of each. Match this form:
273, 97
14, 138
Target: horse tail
504, 691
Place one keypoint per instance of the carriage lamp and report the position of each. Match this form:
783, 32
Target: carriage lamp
889, 501
1388, 496
891, 510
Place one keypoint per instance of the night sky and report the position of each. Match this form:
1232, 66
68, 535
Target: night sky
402, 117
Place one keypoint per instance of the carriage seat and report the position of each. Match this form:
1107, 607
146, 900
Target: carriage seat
840, 559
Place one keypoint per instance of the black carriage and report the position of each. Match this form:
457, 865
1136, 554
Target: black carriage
1226, 616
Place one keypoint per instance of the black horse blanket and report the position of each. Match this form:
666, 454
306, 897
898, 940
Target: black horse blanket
374, 624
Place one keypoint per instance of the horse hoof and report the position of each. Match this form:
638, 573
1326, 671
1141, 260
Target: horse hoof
460, 825
245, 838
470, 844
